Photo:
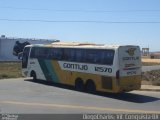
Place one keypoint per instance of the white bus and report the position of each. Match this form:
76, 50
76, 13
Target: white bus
87, 67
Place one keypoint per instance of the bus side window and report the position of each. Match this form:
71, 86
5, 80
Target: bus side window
107, 57
41, 53
49, 54
90, 56
57, 53
69, 55
37, 52
93, 56
98, 56
79, 55
72, 55
66, 54
46, 53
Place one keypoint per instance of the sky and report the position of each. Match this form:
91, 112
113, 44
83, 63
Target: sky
122, 22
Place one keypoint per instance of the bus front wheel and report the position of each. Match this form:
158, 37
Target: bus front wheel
33, 74
79, 85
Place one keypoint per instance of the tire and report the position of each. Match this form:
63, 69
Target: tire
90, 87
79, 85
33, 74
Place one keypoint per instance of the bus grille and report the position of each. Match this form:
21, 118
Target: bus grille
107, 82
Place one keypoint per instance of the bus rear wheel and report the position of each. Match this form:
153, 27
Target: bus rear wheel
33, 74
90, 86
79, 85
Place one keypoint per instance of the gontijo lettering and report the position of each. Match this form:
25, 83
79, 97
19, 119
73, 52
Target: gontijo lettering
75, 66
131, 58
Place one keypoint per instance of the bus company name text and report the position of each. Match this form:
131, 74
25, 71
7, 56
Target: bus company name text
75, 66
131, 58
85, 67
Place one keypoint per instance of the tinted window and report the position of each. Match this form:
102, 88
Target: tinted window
46, 53
94, 56
69, 55
57, 53
80, 55
38, 52
107, 57
99, 56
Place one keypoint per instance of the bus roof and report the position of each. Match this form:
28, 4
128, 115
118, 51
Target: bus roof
78, 45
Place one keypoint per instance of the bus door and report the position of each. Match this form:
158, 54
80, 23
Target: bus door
129, 61
25, 57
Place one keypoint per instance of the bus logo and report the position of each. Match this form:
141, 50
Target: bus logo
131, 51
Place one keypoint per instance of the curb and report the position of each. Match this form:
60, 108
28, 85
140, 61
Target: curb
12, 78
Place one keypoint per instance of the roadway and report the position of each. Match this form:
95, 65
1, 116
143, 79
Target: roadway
26, 96
150, 68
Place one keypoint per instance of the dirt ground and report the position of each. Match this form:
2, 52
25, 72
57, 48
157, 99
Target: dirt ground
150, 60
151, 77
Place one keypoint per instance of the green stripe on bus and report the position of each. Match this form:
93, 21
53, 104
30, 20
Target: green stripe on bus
48, 70
43, 67
51, 70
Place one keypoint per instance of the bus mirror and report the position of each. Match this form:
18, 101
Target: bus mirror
20, 55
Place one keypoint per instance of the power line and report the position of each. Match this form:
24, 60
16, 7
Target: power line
71, 10
85, 21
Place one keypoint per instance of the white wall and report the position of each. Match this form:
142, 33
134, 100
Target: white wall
7, 44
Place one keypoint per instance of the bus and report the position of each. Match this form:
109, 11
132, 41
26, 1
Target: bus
87, 67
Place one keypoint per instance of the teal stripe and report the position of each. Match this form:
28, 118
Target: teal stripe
52, 71
48, 70
43, 67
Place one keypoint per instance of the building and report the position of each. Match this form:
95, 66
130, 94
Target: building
155, 55
7, 44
